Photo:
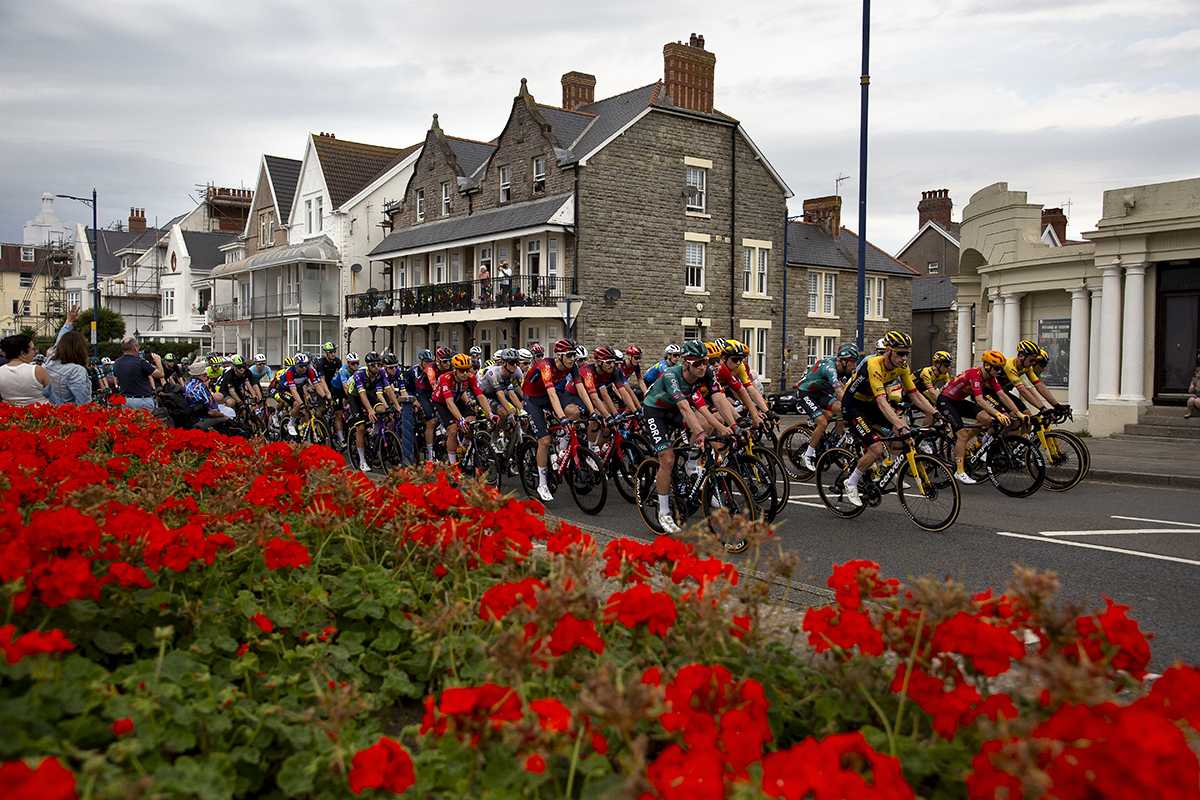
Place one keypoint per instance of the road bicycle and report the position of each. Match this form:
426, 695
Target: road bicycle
1013, 464
1066, 456
764, 474
621, 454
793, 443
381, 444
477, 459
576, 465
711, 489
923, 484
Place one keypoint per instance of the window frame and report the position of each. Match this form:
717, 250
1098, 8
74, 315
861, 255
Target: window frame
505, 183
818, 347
539, 174
308, 225
420, 205
825, 294
934, 268
697, 177
320, 214
689, 265
874, 298
28, 254
26, 280
445, 198
756, 334
168, 300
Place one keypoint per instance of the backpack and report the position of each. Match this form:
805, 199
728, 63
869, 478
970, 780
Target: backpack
178, 407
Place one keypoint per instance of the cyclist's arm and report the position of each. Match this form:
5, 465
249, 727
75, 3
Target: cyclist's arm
726, 408
744, 395
693, 419
606, 404
1046, 393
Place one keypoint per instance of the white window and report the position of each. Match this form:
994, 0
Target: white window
552, 257
416, 272
819, 347
244, 293
485, 258
402, 274
755, 335
74, 298
533, 333
168, 299
439, 268
747, 269
694, 261
762, 271
446, 199
27, 254
293, 340
696, 180
873, 299
821, 293
308, 223
539, 174
505, 184
485, 342
320, 214
27, 308
420, 205
692, 332
455, 268
754, 267
266, 229
26, 280
934, 268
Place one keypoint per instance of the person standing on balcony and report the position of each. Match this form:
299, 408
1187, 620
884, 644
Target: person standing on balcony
485, 286
505, 282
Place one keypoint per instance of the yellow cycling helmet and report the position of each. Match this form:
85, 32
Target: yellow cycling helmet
994, 358
461, 361
713, 349
289, 362
740, 346
942, 356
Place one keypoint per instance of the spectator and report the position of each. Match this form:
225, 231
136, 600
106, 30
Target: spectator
21, 380
1193, 402
67, 366
485, 285
208, 413
133, 375
505, 282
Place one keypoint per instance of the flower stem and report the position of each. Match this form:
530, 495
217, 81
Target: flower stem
574, 761
887, 728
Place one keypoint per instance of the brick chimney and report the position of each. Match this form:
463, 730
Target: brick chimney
688, 74
579, 89
1055, 218
826, 211
137, 220
935, 205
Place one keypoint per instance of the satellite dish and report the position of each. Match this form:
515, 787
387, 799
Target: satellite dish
933, 327
356, 267
613, 294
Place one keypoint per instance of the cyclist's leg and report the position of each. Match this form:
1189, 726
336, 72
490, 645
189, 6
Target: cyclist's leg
537, 408
659, 423
448, 422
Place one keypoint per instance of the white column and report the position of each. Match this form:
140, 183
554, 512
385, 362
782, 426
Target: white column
1133, 325
997, 342
1110, 335
966, 334
1077, 383
1094, 347
1012, 323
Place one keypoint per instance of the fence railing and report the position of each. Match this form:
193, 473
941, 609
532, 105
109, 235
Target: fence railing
515, 292
225, 312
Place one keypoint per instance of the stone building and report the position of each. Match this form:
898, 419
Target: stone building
654, 215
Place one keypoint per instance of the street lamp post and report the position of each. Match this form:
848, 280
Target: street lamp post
95, 273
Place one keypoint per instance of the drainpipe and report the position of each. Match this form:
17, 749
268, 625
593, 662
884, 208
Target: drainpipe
575, 247
784, 348
732, 224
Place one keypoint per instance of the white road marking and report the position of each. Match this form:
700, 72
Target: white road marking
1121, 531
1159, 521
1101, 547
802, 503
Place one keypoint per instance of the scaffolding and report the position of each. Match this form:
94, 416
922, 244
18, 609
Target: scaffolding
52, 268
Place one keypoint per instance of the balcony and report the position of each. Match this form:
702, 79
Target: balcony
226, 312
536, 291
308, 298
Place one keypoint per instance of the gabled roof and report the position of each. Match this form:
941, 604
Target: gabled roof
485, 223
611, 115
205, 248
566, 125
283, 174
810, 244
933, 292
951, 235
112, 242
349, 166
470, 153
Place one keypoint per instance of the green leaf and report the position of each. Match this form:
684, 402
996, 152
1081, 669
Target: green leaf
296, 775
109, 641
387, 641
83, 610
352, 641
604, 786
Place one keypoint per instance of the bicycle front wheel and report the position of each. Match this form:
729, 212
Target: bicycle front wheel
589, 484
929, 496
725, 489
757, 476
623, 471
527, 467
315, 431
833, 468
646, 493
1065, 462
1015, 466
792, 444
390, 453
780, 479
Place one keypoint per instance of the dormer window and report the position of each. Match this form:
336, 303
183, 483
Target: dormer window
539, 175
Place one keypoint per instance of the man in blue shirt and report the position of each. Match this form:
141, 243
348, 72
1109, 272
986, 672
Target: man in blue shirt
133, 374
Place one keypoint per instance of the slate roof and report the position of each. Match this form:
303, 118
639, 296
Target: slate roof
932, 292
470, 154
285, 174
612, 114
114, 241
565, 125
809, 244
349, 166
485, 223
205, 248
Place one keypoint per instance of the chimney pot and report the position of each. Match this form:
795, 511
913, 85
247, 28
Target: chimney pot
1055, 218
935, 205
827, 211
579, 89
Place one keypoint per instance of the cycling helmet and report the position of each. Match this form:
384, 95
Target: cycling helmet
106, 361
93, 360
633, 350
444, 353
537, 350
329, 347
694, 348
1028, 348
603, 353
848, 350
40, 358
260, 359
237, 361
897, 339
1043, 358
564, 346
169, 357
214, 358
741, 346
880, 344
183, 361
728, 348
301, 359
372, 357
425, 355
712, 349
721, 343
461, 361
289, 362
352, 357
581, 353
476, 351
941, 356
390, 360
509, 354
673, 350
994, 358
524, 355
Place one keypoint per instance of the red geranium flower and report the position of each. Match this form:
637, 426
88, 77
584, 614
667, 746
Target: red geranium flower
503, 597
50, 780
536, 764
285, 553
552, 714
122, 726
264, 624
571, 631
52, 641
989, 649
383, 765
639, 604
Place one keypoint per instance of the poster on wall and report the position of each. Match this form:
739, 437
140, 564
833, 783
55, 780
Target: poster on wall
1054, 336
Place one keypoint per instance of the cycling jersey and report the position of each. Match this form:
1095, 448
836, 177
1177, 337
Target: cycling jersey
1012, 374
344, 374
651, 375
256, 373
424, 376
362, 380
544, 374
277, 379
823, 377
492, 379
927, 380
326, 367
729, 379
594, 380
872, 377
627, 370
970, 382
231, 380
395, 379
450, 389
298, 376
671, 387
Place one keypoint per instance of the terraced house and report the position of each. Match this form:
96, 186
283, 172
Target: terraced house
647, 210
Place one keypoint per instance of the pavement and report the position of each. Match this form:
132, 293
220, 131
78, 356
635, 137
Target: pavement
1174, 463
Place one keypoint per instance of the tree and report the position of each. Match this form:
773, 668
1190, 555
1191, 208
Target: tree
111, 325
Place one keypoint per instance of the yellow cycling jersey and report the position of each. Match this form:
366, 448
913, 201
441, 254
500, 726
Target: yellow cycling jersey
1014, 374
872, 377
932, 380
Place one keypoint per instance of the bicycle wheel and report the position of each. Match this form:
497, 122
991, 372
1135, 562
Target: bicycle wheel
1083, 448
589, 485
792, 444
1065, 462
833, 468
757, 477
780, 479
725, 489
929, 497
313, 431
623, 471
483, 462
766, 437
390, 452
646, 490
527, 467
1015, 466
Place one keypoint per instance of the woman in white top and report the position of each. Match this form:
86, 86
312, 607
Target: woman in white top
21, 381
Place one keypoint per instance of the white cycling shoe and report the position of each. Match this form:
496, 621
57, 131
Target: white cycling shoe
667, 523
850, 495
543, 493
362, 465
965, 479
807, 463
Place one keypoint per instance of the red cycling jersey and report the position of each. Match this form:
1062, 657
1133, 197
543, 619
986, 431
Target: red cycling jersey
427, 376
971, 380
594, 381
544, 374
727, 379
448, 388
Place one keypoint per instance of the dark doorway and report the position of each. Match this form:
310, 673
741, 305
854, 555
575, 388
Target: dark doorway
1177, 330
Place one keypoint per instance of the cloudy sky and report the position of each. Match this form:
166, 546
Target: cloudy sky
145, 100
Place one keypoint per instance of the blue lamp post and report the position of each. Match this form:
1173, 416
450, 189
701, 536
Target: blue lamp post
95, 264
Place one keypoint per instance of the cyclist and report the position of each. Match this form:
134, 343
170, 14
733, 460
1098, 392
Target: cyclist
1035, 393
476, 354
865, 403
397, 385
632, 370
499, 383
963, 397
170, 370
363, 389
603, 381
931, 380
337, 389
258, 372
721, 416
454, 387
729, 359
297, 379
750, 379
667, 407
423, 379
541, 391
670, 359
234, 385
820, 394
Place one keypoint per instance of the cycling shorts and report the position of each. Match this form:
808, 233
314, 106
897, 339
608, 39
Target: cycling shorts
425, 398
660, 423
955, 411
446, 418
861, 418
814, 403
540, 411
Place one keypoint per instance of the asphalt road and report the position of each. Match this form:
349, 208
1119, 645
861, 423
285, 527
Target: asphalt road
1138, 545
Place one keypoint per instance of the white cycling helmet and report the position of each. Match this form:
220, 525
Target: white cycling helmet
673, 350
351, 358
525, 355
881, 345
476, 351
260, 359
581, 352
